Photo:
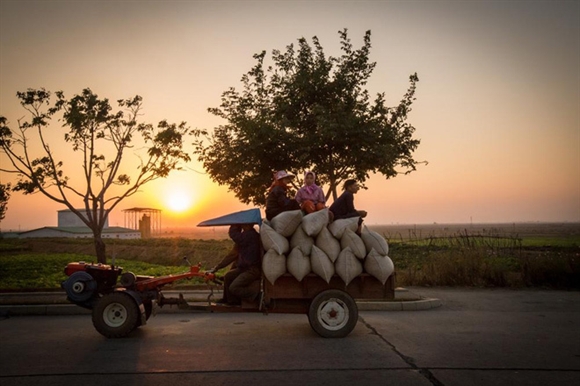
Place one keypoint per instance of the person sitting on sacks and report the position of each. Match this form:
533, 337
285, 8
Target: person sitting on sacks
246, 268
310, 196
343, 206
278, 200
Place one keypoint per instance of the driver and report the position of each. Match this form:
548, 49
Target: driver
246, 268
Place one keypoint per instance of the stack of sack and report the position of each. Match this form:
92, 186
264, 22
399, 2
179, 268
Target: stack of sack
300, 244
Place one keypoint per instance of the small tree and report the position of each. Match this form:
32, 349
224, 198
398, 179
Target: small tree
307, 112
102, 138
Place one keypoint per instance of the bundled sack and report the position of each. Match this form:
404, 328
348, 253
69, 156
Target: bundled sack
286, 223
321, 264
337, 227
328, 244
298, 264
302, 240
273, 240
313, 223
379, 266
273, 265
351, 240
348, 266
374, 240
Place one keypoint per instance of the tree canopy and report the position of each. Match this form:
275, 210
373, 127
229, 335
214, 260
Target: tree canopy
102, 137
307, 111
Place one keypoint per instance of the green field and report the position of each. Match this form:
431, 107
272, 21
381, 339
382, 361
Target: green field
504, 255
35, 264
487, 255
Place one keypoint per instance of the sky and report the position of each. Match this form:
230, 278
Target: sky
497, 108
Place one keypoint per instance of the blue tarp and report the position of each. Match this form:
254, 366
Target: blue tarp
251, 216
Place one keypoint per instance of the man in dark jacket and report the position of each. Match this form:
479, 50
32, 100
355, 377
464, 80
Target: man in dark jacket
343, 207
240, 280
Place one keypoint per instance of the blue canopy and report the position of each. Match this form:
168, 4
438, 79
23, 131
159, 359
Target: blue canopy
251, 216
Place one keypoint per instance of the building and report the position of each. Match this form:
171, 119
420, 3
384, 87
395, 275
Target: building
70, 225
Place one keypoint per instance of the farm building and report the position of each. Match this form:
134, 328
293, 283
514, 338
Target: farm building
69, 225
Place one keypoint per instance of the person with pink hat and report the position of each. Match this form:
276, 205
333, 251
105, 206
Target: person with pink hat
278, 200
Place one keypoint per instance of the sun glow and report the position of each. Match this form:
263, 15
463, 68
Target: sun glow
178, 201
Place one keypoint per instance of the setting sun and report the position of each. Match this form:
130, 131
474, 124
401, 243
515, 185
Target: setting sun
178, 201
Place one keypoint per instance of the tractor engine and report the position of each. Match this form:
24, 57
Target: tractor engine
87, 280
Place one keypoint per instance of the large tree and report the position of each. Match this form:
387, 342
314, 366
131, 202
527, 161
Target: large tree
307, 111
102, 138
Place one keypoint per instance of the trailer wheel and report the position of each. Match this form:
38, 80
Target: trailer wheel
116, 315
333, 314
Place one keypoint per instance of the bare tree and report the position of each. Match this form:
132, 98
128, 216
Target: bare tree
102, 138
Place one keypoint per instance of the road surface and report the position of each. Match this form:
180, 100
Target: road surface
477, 337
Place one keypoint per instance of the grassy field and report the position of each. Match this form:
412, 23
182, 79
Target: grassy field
32, 264
500, 255
486, 255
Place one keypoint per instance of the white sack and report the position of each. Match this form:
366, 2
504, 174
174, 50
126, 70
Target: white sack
286, 223
351, 240
379, 266
374, 240
328, 244
302, 240
273, 265
337, 227
321, 264
298, 264
273, 240
348, 266
314, 222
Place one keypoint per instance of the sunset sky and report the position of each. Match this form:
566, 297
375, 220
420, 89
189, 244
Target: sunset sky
497, 109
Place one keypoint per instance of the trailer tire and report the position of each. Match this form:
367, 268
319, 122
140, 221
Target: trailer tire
115, 315
333, 314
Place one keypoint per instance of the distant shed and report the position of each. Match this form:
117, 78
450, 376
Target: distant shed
81, 232
70, 225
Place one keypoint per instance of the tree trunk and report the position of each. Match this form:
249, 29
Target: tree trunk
100, 249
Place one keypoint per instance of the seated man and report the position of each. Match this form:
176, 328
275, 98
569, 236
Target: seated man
246, 256
343, 206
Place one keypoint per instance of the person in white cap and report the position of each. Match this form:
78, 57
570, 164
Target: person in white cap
278, 200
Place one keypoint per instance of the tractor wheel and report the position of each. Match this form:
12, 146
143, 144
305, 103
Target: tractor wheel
333, 314
116, 315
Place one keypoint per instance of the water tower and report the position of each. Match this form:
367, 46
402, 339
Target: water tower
145, 220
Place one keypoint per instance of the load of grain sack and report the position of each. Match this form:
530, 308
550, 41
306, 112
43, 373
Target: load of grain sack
301, 244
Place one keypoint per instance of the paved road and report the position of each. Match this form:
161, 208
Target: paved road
478, 337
